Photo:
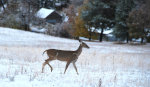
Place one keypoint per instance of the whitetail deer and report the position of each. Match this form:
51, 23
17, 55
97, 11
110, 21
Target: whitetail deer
62, 55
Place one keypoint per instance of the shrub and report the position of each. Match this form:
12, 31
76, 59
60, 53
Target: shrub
64, 33
11, 21
148, 39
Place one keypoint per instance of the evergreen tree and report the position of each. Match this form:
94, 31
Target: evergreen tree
122, 11
99, 14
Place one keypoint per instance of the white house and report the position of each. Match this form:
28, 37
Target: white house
50, 15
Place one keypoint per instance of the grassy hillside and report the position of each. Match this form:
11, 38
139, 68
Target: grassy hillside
105, 64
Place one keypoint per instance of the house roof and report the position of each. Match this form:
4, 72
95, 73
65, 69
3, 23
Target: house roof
44, 12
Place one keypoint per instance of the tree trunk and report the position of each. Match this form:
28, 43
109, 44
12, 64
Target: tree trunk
26, 27
127, 37
29, 16
142, 40
101, 35
90, 33
2, 4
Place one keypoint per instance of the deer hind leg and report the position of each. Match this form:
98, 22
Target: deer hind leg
67, 66
47, 62
75, 68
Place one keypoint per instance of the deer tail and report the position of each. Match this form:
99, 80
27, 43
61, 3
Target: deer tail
44, 52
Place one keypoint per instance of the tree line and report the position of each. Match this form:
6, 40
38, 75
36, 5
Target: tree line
128, 18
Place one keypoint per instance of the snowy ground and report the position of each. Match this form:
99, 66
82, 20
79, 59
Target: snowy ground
105, 64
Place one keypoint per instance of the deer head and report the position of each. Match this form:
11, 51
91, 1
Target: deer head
83, 44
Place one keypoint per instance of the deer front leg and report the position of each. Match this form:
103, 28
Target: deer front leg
43, 66
50, 67
75, 68
67, 66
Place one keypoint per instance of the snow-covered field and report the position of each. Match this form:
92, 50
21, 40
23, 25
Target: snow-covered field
103, 65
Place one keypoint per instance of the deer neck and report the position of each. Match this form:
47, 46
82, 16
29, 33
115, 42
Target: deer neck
79, 50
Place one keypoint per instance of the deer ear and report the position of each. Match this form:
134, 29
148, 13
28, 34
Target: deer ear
80, 41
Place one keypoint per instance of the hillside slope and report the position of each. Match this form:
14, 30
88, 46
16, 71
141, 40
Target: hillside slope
105, 64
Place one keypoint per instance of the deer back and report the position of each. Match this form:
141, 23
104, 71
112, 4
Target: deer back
62, 55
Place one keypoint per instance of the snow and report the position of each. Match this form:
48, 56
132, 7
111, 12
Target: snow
66, 18
108, 31
36, 29
99, 30
25, 38
44, 12
58, 4
83, 38
110, 64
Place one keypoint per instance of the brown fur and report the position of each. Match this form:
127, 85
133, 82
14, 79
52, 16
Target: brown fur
64, 55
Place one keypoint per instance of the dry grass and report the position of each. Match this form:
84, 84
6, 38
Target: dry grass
102, 60
105, 55
117, 65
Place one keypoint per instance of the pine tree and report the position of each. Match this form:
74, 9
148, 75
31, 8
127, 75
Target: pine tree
99, 14
122, 11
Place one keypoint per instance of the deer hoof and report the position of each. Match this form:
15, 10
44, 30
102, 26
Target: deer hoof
51, 70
